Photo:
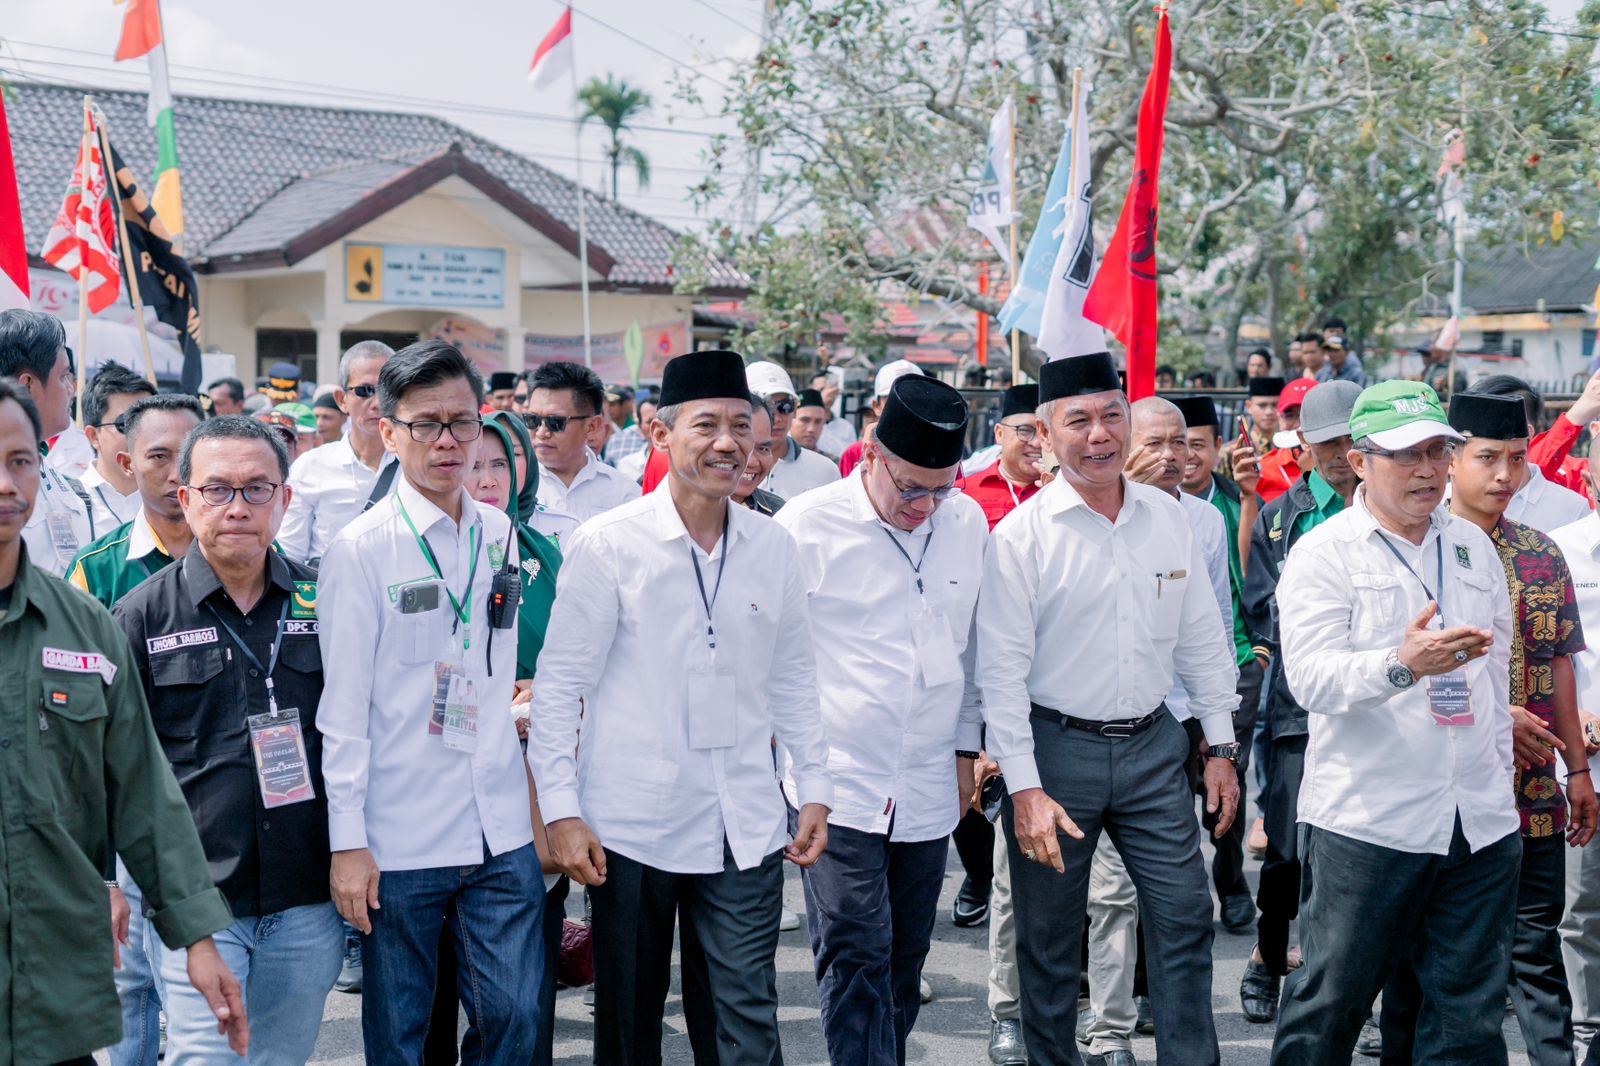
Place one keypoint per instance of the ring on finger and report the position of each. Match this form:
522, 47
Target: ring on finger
1028, 854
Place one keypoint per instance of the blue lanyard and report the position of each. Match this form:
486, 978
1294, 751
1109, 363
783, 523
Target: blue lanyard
250, 656
1437, 598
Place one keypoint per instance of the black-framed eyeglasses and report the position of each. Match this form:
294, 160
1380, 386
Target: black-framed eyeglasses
783, 407
554, 423
912, 495
1025, 431
219, 495
1408, 457
366, 392
120, 424
426, 431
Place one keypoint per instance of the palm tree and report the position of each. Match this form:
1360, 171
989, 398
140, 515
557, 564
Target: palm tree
615, 104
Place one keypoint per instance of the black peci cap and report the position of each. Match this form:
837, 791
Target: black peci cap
1265, 386
1019, 400
924, 422
809, 398
502, 379
1078, 375
1198, 411
710, 375
1488, 417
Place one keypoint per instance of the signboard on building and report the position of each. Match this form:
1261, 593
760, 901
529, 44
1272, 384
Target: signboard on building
425, 275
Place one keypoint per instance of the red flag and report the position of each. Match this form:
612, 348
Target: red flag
83, 239
13, 252
983, 316
553, 59
1124, 297
141, 29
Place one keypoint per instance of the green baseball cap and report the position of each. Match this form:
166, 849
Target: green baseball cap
305, 419
1399, 414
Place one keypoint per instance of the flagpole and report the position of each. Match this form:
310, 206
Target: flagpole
83, 265
583, 220
127, 255
1016, 340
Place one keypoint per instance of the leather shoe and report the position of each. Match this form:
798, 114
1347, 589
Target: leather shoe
1370, 1042
1238, 912
1145, 1022
1258, 993
1005, 1043
971, 906
1111, 1058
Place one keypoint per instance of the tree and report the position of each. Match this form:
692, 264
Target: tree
1302, 141
615, 103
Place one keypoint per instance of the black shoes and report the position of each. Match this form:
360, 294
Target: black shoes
1258, 993
1146, 1023
1005, 1043
971, 906
1238, 913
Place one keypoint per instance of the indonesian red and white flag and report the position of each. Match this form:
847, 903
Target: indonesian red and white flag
83, 239
13, 251
553, 60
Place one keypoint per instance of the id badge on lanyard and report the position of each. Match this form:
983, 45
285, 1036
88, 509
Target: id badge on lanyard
1449, 695
282, 769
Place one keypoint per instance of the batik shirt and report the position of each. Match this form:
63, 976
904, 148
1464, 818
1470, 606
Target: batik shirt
1545, 608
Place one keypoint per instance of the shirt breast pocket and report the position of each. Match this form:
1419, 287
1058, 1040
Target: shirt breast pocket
1378, 605
1168, 587
176, 680
416, 636
1476, 606
71, 736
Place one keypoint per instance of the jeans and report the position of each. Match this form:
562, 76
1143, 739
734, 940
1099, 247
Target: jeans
495, 911
137, 984
1538, 982
286, 964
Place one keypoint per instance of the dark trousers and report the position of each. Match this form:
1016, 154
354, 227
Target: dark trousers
1278, 898
1371, 910
1136, 789
871, 905
974, 841
494, 913
733, 916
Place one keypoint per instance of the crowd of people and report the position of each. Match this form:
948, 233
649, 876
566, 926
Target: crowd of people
366, 701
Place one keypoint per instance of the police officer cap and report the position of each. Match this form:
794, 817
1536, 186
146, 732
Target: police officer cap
1489, 417
1265, 386
924, 422
710, 375
1198, 411
1019, 400
1078, 375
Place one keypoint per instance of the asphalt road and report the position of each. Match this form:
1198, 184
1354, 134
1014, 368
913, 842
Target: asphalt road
953, 1029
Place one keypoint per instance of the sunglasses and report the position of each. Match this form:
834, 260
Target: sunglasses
366, 392
120, 425
554, 423
783, 407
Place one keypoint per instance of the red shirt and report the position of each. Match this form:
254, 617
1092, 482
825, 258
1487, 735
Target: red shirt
997, 496
1551, 452
850, 459
1280, 469
655, 469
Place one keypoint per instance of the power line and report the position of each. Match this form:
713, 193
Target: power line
729, 18
625, 35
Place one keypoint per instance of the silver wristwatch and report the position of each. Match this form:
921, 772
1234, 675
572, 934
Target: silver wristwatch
1400, 675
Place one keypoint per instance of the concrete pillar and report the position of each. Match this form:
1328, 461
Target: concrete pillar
516, 348
328, 350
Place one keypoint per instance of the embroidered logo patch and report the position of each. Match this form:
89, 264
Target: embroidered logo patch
1464, 556
80, 662
305, 600
531, 567
187, 639
497, 555
58, 698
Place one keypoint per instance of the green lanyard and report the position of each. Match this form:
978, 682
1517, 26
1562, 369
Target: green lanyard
462, 607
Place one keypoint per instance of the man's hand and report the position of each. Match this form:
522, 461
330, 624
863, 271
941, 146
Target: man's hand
1038, 818
1143, 465
1531, 743
985, 769
965, 775
523, 698
1246, 467
1428, 652
1222, 790
577, 851
811, 838
120, 915
211, 978
1585, 810
354, 884
1586, 408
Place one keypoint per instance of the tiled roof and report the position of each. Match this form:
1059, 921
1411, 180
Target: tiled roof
258, 176
1505, 280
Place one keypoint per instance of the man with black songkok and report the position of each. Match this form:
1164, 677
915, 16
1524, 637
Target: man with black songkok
503, 390
891, 559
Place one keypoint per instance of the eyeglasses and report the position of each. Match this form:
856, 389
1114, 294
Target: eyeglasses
366, 392
912, 495
120, 425
1025, 431
426, 432
554, 423
220, 495
783, 407
1408, 457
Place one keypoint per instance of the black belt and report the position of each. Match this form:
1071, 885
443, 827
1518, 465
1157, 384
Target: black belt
1125, 727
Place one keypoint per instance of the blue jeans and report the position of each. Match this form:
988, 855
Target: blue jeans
286, 964
495, 911
137, 985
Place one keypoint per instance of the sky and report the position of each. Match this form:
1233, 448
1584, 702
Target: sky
465, 61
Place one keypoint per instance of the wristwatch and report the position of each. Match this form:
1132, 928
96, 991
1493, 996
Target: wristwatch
1400, 675
1224, 751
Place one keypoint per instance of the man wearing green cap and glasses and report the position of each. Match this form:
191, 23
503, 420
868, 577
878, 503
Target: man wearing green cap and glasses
1396, 626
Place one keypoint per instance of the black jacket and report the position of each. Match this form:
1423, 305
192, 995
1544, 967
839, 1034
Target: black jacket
1274, 534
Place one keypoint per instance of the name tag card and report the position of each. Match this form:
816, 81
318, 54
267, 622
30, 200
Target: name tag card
282, 769
713, 717
461, 716
1450, 700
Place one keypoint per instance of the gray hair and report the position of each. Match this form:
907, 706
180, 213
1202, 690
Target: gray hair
360, 350
1044, 410
668, 415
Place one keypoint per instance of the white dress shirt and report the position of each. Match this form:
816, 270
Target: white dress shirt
595, 489
800, 470
71, 454
1091, 618
1580, 543
392, 785
892, 738
1544, 505
1377, 767
627, 628
60, 525
331, 488
110, 508
1211, 534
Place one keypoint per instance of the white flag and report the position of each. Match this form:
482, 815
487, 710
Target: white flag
1063, 331
992, 209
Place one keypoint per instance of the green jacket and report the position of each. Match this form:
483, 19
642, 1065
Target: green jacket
1225, 498
540, 555
79, 761
117, 563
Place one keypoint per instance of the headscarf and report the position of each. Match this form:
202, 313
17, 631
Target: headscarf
540, 558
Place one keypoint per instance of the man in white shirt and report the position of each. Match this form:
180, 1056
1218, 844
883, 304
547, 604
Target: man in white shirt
1094, 598
891, 558
797, 468
669, 808
337, 482
567, 402
70, 452
33, 350
112, 492
428, 814
1410, 845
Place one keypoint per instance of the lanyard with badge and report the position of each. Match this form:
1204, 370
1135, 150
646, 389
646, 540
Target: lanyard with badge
712, 694
932, 643
1449, 695
276, 739
63, 537
455, 704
